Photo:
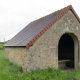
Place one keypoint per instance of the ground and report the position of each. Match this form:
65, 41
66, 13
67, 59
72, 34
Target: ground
9, 71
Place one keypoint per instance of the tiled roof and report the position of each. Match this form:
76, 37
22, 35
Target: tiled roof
28, 35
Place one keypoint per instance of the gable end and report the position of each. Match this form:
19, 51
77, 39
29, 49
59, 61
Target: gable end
66, 9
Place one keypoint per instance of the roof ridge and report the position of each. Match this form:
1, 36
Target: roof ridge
72, 9
52, 22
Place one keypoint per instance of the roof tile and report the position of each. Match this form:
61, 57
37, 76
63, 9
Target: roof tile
28, 35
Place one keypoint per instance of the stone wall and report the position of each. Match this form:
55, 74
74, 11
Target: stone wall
17, 55
44, 51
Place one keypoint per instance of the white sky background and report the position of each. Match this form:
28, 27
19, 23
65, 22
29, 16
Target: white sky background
16, 14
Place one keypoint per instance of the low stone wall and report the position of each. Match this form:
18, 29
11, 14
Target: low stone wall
29, 59
17, 55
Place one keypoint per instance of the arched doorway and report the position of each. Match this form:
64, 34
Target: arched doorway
68, 51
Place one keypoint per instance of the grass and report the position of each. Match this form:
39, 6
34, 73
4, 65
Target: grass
1, 45
9, 71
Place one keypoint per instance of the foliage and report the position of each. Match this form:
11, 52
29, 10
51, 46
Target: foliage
1, 45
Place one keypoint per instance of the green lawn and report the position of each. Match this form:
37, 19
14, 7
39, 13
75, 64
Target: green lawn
1, 45
9, 71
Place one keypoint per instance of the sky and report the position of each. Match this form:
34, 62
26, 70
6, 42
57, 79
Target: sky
16, 14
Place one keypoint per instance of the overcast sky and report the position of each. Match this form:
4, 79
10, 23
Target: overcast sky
16, 14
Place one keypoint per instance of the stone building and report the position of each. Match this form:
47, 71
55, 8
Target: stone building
51, 41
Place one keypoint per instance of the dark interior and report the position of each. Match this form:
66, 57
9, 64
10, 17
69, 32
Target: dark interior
66, 50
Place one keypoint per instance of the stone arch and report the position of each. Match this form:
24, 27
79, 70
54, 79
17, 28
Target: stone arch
68, 51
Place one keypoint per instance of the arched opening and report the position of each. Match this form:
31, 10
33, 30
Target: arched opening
67, 49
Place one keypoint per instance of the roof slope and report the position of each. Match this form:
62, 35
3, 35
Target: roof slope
28, 35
